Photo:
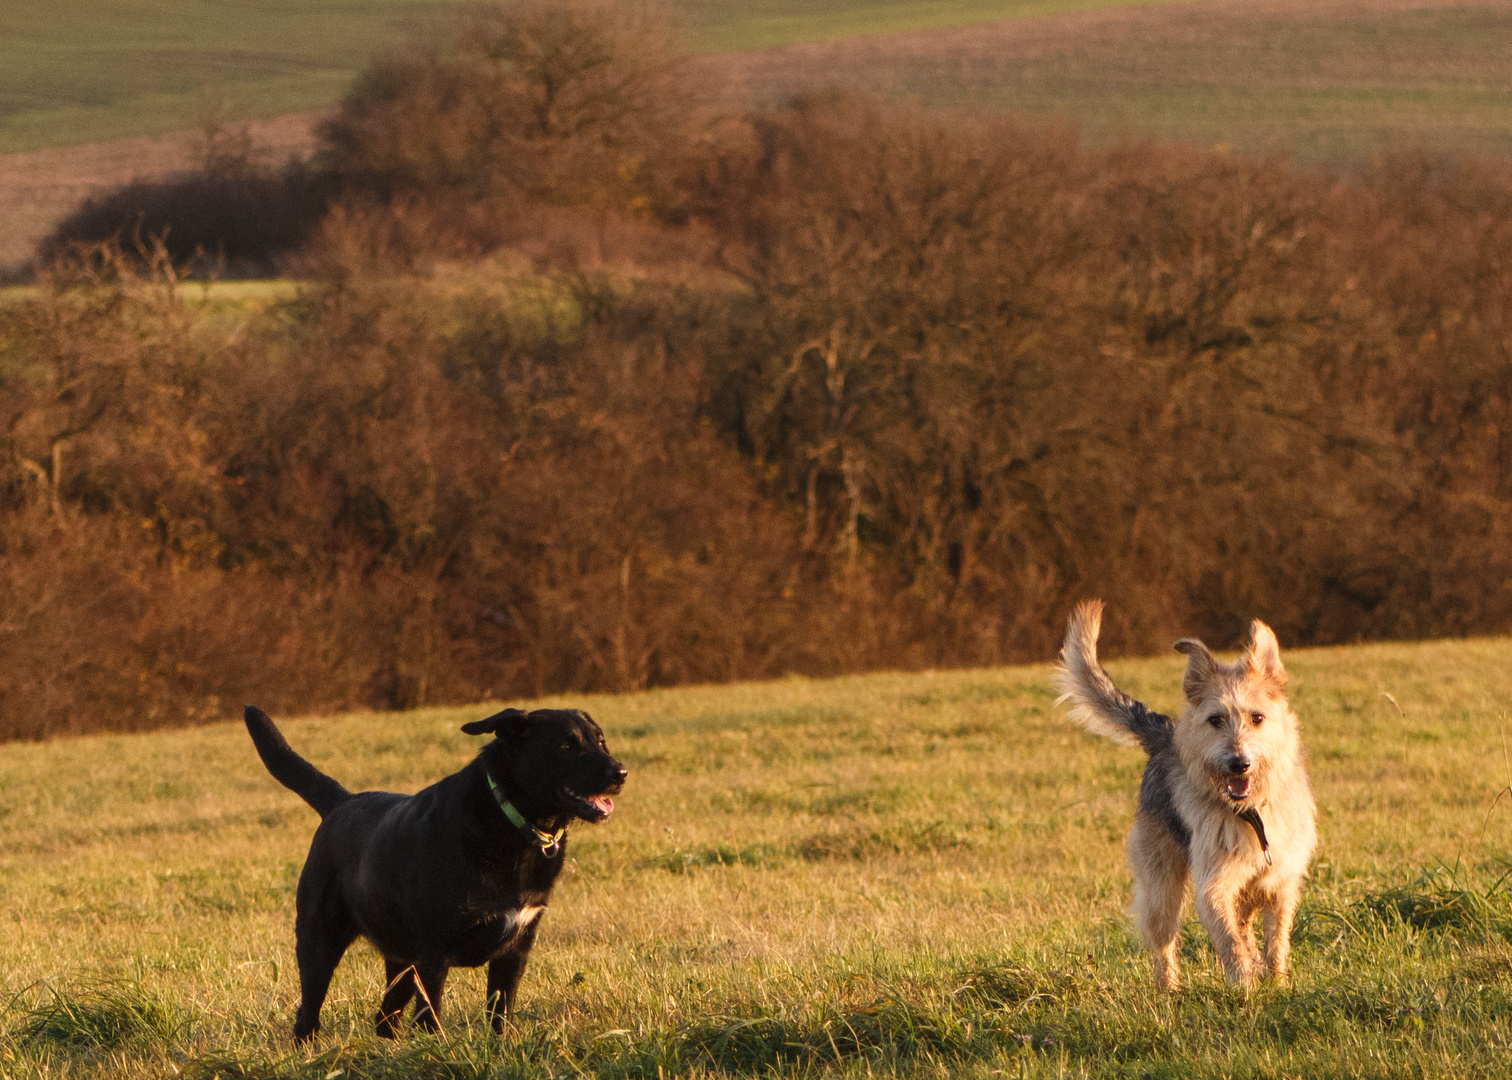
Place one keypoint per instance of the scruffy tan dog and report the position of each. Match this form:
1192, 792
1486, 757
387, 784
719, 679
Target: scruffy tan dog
1225, 797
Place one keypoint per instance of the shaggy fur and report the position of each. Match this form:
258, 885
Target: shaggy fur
1224, 777
441, 878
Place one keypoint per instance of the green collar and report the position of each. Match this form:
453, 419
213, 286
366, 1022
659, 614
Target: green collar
549, 843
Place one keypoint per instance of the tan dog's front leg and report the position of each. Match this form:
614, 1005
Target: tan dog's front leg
1279, 913
1235, 944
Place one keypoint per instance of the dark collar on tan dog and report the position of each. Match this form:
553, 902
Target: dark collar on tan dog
549, 843
1252, 816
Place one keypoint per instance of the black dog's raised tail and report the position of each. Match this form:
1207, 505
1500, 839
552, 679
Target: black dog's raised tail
288, 768
1096, 704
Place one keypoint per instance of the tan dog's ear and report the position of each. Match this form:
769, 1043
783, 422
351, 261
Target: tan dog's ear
1263, 657
1201, 670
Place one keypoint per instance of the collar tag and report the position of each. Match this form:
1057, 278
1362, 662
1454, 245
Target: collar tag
549, 843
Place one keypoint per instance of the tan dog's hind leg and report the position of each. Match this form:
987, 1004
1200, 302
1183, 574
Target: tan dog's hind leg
1279, 913
1160, 877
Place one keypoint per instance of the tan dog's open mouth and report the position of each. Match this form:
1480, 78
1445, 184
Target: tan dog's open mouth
1238, 787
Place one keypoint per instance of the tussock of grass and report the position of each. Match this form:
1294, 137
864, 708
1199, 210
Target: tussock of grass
103, 1014
1438, 900
1445, 900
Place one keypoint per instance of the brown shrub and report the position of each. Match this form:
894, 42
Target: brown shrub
932, 380
567, 102
240, 224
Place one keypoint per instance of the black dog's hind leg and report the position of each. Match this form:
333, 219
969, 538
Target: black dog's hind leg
504, 978
398, 988
318, 954
432, 982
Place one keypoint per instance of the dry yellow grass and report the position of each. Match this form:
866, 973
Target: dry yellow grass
785, 850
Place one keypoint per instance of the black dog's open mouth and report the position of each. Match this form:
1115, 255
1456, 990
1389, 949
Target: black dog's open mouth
1238, 787
591, 808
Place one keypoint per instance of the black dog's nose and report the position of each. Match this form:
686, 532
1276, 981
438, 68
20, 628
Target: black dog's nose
1238, 765
618, 773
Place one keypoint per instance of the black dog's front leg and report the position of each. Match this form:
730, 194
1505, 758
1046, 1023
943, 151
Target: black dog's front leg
397, 992
432, 982
504, 978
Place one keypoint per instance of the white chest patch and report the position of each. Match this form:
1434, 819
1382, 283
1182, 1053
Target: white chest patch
519, 920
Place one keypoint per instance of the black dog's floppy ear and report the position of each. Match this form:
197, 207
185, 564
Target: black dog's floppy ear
498, 722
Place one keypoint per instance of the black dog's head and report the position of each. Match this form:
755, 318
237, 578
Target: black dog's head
553, 762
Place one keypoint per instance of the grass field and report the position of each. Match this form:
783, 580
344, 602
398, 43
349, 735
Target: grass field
723, 26
1325, 83
1318, 80
232, 294
912, 875
81, 73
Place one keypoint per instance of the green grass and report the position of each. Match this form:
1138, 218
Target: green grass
1332, 85
917, 875
77, 73
1325, 85
722, 26
232, 296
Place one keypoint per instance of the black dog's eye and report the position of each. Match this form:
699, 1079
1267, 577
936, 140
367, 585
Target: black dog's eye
567, 746
1217, 719
1258, 718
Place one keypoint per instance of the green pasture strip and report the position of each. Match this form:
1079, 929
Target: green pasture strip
157, 112
722, 26
73, 73
253, 293
893, 874
1331, 85
1325, 85
1312, 125
78, 73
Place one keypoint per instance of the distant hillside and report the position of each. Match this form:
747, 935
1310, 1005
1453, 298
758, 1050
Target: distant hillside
74, 73
1324, 82
1331, 82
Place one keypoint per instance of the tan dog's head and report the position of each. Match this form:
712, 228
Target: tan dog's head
1238, 733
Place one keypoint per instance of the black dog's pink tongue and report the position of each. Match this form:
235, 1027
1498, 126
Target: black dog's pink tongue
602, 803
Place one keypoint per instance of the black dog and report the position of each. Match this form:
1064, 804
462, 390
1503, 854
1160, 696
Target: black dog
454, 876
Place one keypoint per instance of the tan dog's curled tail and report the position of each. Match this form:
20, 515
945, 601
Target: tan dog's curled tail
1096, 703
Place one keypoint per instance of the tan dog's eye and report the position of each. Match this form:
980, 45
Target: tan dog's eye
1217, 719
1258, 718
